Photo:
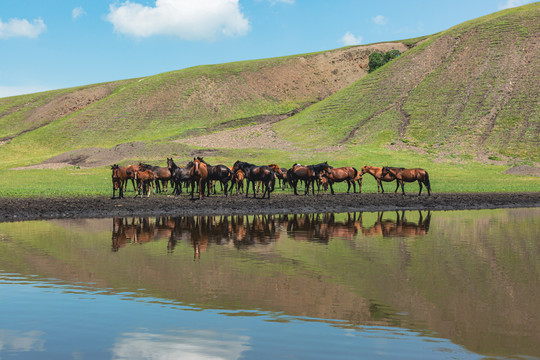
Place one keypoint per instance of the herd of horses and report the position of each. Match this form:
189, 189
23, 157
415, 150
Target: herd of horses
198, 174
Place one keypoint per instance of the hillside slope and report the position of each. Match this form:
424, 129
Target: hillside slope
473, 89
177, 104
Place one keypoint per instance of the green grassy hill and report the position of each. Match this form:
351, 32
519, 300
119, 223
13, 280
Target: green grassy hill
471, 90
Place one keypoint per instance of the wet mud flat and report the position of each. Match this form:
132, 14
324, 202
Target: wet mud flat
15, 209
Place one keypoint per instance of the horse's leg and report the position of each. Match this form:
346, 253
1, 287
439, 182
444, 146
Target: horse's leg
224, 186
331, 187
420, 184
201, 188
247, 187
294, 184
402, 187
253, 188
379, 184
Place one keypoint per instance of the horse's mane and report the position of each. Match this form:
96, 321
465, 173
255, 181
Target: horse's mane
202, 160
320, 167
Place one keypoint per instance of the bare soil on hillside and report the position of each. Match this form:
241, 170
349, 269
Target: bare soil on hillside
166, 205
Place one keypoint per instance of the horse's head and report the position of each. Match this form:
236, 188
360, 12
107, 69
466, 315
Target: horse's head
324, 181
115, 171
364, 169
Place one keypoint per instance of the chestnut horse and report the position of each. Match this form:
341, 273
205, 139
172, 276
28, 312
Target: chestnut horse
238, 180
341, 174
409, 175
145, 181
162, 174
376, 172
198, 174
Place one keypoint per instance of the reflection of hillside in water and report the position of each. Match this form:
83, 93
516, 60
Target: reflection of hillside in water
243, 230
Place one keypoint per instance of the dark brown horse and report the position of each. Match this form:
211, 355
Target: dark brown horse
376, 172
219, 173
309, 174
409, 175
120, 177
256, 173
198, 174
341, 174
179, 175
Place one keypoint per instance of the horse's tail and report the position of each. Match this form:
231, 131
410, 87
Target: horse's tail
355, 173
426, 181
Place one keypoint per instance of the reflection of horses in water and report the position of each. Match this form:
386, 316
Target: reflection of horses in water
244, 231
322, 227
400, 227
139, 230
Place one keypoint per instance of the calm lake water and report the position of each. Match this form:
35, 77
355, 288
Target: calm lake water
432, 285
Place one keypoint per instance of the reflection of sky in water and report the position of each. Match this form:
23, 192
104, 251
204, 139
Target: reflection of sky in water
70, 322
17, 341
180, 345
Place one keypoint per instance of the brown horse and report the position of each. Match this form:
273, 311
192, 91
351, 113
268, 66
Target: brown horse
162, 174
238, 180
376, 172
409, 175
132, 169
341, 174
120, 177
145, 181
199, 174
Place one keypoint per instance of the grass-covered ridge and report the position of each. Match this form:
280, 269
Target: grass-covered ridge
468, 90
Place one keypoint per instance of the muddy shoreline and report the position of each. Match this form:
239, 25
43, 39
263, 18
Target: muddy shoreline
165, 205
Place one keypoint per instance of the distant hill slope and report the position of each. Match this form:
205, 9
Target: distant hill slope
469, 90
179, 103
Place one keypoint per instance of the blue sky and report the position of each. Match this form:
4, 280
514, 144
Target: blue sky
54, 44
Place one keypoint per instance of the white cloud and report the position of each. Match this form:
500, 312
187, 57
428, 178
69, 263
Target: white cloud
513, 3
350, 39
380, 20
21, 28
187, 19
77, 12
193, 344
